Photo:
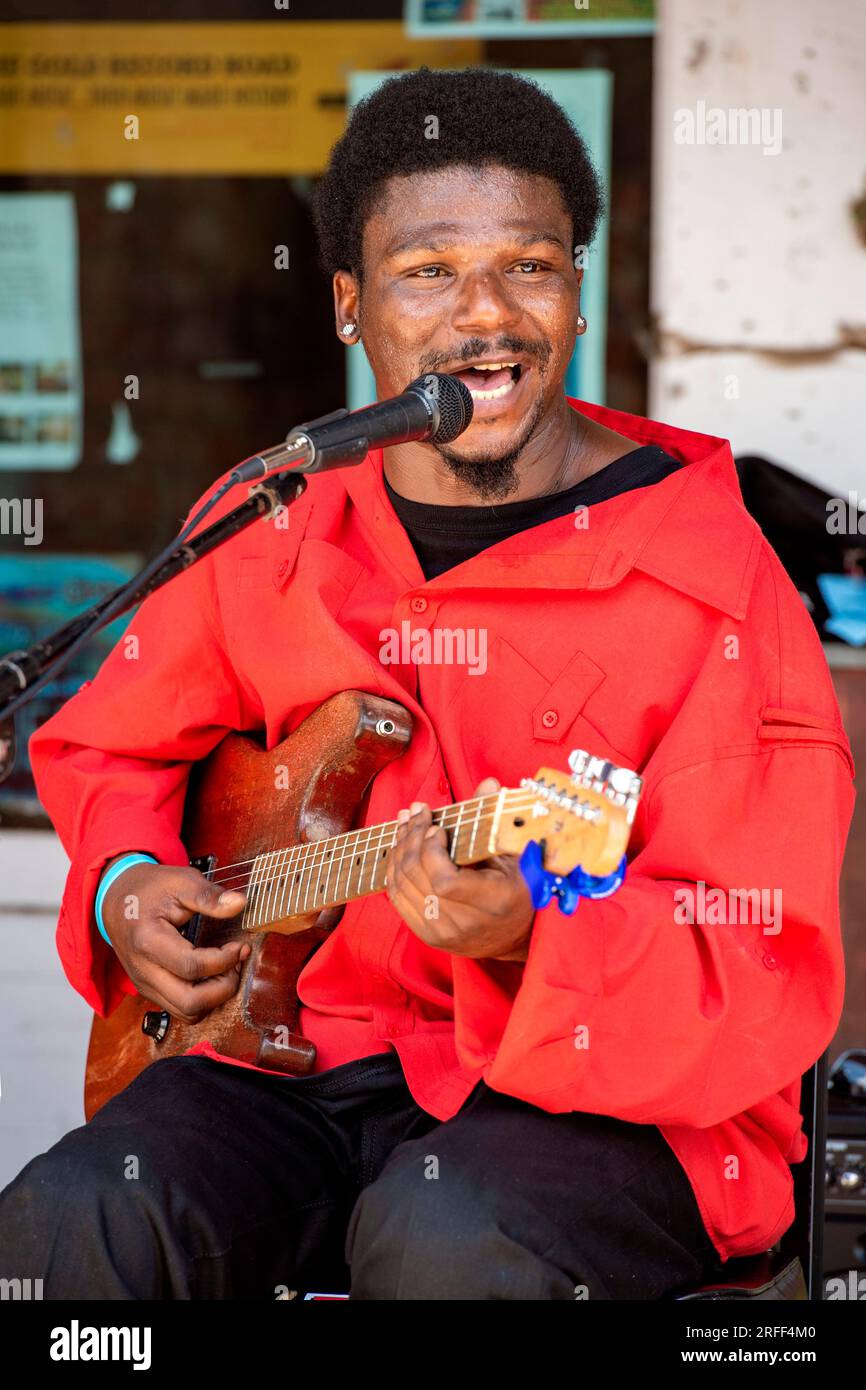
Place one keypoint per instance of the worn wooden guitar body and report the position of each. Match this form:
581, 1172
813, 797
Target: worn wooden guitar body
243, 802
281, 826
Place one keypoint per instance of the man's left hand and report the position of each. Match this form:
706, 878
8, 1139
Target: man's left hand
483, 911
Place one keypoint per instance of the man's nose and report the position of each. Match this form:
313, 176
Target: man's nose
485, 304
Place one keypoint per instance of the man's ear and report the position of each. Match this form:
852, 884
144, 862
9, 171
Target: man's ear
346, 299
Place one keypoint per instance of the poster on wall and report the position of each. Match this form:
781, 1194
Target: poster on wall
526, 19
36, 597
40, 339
126, 99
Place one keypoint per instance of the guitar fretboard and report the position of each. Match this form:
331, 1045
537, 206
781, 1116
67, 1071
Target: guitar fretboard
305, 878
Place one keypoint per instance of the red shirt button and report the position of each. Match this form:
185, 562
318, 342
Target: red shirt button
282, 566
771, 962
392, 1031
418, 605
443, 785
550, 718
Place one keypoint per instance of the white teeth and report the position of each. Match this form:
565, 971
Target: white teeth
492, 366
492, 395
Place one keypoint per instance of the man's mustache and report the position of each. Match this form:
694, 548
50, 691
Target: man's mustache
474, 348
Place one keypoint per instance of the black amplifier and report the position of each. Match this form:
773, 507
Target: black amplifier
845, 1189
845, 1179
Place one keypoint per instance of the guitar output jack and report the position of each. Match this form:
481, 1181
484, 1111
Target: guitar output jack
155, 1024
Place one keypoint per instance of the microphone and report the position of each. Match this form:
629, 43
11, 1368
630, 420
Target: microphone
436, 406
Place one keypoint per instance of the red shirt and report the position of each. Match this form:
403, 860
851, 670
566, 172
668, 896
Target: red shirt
658, 629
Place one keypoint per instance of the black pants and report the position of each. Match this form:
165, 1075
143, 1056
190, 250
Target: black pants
207, 1181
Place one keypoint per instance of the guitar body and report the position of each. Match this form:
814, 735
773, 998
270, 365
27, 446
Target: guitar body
243, 801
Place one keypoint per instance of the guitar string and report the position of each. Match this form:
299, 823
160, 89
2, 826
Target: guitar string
296, 881
304, 877
315, 855
241, 863
360, 830
319, 847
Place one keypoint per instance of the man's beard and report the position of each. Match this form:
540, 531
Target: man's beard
493, 477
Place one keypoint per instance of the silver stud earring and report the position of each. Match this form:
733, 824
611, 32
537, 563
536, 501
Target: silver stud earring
581, 323
349, 330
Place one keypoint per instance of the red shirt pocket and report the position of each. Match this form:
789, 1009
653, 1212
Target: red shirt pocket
781, 725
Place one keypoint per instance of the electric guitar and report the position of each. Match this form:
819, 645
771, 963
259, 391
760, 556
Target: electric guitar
277, 824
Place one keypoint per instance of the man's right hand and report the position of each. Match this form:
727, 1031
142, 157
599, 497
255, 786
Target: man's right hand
142, 911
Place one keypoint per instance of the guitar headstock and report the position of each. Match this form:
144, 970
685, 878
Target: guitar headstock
583, 820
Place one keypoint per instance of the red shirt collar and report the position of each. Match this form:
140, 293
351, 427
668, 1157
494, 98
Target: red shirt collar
690, 531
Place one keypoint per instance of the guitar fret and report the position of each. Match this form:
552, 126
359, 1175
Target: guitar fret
287, 857
332, 895
308, 876
256, 904
273, 880
366, 852
297, 880
321, 893
360, 858
363, 845
286, 895
316, 875
346, 868
318, 898
351, 855
304, 878
475, 829
453, 850
253, 900
267, 887
334, 847
387, 839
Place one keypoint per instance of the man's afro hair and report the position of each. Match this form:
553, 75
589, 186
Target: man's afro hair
485, 118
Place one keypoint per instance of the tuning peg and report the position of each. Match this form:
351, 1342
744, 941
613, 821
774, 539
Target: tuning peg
550, 793
620, 784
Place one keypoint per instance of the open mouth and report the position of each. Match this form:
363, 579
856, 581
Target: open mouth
490, 381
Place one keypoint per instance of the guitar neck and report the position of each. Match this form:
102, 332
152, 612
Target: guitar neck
305, 878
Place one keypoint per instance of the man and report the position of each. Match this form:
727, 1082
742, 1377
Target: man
508, 1104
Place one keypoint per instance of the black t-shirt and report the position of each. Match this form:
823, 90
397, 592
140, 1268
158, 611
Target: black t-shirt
446, 536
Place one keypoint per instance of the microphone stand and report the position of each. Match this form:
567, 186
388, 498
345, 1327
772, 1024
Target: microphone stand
23, 672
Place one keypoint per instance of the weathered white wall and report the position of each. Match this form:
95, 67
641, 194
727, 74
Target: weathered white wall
44, 1024
759, 267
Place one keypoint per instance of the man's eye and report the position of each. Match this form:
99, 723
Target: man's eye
429, 272
529, 266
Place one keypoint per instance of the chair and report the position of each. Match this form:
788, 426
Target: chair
793, 1268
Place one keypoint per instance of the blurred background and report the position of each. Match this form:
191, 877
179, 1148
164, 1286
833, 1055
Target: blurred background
163, 315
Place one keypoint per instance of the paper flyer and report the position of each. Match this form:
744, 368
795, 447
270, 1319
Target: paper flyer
41, 392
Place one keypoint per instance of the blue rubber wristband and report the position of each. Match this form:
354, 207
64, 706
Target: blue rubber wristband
108, 878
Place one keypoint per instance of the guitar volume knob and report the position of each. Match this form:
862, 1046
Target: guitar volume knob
155, 1024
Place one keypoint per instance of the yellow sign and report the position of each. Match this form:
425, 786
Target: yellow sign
260, 98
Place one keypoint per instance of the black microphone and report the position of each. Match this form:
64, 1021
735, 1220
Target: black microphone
436, 406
